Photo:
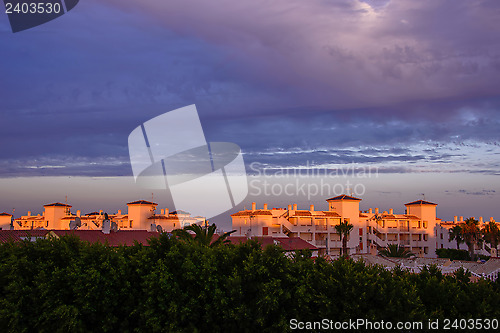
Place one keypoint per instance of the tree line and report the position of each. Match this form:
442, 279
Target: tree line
178, 284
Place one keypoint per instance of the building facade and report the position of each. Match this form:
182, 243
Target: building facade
141, 215
417, 229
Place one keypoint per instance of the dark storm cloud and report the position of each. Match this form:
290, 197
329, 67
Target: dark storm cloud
335, 81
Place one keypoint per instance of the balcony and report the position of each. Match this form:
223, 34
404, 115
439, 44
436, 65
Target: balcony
321, 227
321, 242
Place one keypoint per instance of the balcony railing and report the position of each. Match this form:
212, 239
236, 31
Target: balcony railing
321, 227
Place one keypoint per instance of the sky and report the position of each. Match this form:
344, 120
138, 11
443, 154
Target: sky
409, 87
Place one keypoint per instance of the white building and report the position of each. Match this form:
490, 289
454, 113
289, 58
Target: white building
142, 215
417, 229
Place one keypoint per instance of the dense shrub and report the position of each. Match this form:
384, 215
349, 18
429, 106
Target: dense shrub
68, 285
453, 254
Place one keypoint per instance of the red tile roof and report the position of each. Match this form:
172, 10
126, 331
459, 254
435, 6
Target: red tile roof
242, 213
262, 212
5, 214
302, 213
30, 218
420, 202
142, 202
163, 217
18, 235
250, 212
411, 217
343, 197
57, 204
331, 214
120, 237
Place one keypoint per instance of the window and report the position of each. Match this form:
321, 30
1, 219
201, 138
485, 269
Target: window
426, 250
425, 224
265, 231
426, 237
441, 236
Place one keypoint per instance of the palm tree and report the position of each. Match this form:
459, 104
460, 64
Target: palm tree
455, 233
202, 235
344, 229
471, 234
394, 250
491, 234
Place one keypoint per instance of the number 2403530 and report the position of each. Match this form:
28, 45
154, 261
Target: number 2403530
33, 8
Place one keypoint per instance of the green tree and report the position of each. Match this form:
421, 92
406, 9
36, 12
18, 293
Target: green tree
471, 234
344, 229
202, 235
453, 254
394, 250
455, 234
172, 285
491, 234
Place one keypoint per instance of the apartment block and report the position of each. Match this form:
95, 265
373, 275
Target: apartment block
417, 229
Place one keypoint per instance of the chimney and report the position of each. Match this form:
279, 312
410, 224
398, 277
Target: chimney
100, 212
311, 208
167, 211
119, 212
491, 219
391, 211
162, 211
29, 213
376, 210
481, 219
370, 211
254, 206
461, 218
289, 207
78, 213
455, 219
294, 206
265, 206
